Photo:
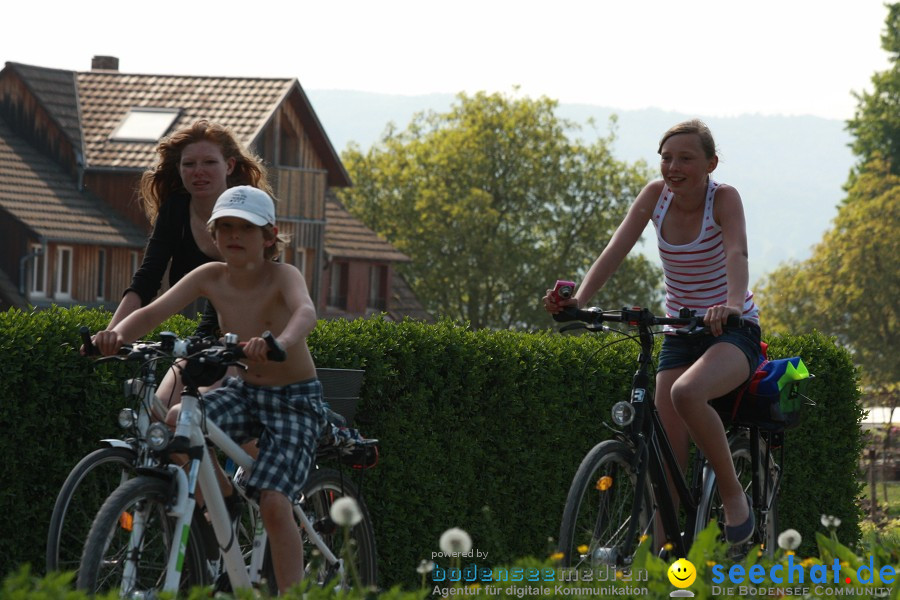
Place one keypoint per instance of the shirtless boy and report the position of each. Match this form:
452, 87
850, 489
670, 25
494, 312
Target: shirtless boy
253, 294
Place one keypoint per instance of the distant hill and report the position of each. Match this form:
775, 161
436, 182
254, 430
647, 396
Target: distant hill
789, 170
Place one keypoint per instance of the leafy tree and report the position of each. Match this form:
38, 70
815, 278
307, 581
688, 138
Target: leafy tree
493, 202
850, 287
876, 124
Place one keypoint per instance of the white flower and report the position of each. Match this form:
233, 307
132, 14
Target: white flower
345, 512
830, 521
455, 541
426, 566
789, 539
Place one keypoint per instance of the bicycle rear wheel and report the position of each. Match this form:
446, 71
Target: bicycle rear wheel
112, 560
322, 489
710, 507
87, 486
597, 516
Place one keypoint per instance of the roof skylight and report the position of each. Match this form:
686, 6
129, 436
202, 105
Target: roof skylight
145, 124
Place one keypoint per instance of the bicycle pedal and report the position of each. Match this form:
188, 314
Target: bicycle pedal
207, 533
739, 552
235, 505
222, 584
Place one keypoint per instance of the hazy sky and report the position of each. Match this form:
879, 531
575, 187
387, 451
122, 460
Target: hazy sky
704, 57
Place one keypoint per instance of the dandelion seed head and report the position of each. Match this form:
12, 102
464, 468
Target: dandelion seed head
426, 566
455, 541
345, 512
789, 539
830, 521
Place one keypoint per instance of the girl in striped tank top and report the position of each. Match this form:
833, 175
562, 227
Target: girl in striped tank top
702, 239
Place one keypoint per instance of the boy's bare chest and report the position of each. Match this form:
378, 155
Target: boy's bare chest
251, 314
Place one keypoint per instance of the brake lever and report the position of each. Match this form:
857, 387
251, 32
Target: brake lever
689, 328
572, 327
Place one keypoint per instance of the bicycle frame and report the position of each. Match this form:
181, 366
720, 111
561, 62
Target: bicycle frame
655, 455
200, 471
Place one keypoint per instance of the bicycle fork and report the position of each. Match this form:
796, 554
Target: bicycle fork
201, 471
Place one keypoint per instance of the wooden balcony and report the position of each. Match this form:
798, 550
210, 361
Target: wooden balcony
300, 193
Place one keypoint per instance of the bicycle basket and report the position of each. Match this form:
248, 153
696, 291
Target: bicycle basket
340, 389
775, 394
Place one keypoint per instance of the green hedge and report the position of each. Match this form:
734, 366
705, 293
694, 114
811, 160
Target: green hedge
480, 430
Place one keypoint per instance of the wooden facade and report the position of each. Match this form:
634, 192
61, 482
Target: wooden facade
75, 232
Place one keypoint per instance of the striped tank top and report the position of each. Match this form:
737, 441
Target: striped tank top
695, 272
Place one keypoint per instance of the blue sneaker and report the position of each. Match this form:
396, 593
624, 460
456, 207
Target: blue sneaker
740, 534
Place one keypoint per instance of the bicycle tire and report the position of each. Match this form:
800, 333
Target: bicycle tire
82, 494
710, 505
108, 541
598, 509
322, 488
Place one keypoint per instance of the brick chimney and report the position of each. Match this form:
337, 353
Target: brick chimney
105, 63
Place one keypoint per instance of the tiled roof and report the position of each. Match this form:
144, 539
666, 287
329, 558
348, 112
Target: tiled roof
34, 190
347, 237
242, 104
55, 89
404, 302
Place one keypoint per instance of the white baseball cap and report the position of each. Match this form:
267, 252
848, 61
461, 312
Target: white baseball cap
245, 202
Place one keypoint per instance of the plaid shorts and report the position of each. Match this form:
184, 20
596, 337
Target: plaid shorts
288, 422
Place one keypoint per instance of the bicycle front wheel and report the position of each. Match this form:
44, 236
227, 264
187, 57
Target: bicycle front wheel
597, 527
322, 489
87, 486
711, 509
128, 546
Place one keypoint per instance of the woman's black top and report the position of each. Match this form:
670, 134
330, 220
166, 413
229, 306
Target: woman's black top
172, 241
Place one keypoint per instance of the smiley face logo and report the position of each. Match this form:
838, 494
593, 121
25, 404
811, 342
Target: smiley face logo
682, 573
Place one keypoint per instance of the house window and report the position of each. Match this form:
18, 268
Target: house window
377, 287
145, 124
337, 290
38, 271
101, 274
300, 260
64, 272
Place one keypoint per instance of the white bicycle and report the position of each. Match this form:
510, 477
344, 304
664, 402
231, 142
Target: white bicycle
148, 537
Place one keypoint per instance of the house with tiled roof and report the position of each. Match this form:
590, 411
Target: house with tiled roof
356, 283
73, 146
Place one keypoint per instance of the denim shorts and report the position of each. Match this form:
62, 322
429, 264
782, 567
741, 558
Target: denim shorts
682, 351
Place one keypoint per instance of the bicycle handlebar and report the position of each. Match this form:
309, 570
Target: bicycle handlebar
639, 317
208, 348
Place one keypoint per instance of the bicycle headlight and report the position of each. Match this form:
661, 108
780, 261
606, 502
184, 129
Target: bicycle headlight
127, 418
158, 436
622, 413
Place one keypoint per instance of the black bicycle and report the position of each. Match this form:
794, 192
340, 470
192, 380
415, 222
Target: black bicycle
622, 492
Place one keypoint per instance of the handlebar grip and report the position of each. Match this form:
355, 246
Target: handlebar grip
86, 342
571, 313
566, 314
276, 352
731, 322
734, 321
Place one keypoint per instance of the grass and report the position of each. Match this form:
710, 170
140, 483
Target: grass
891, 504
